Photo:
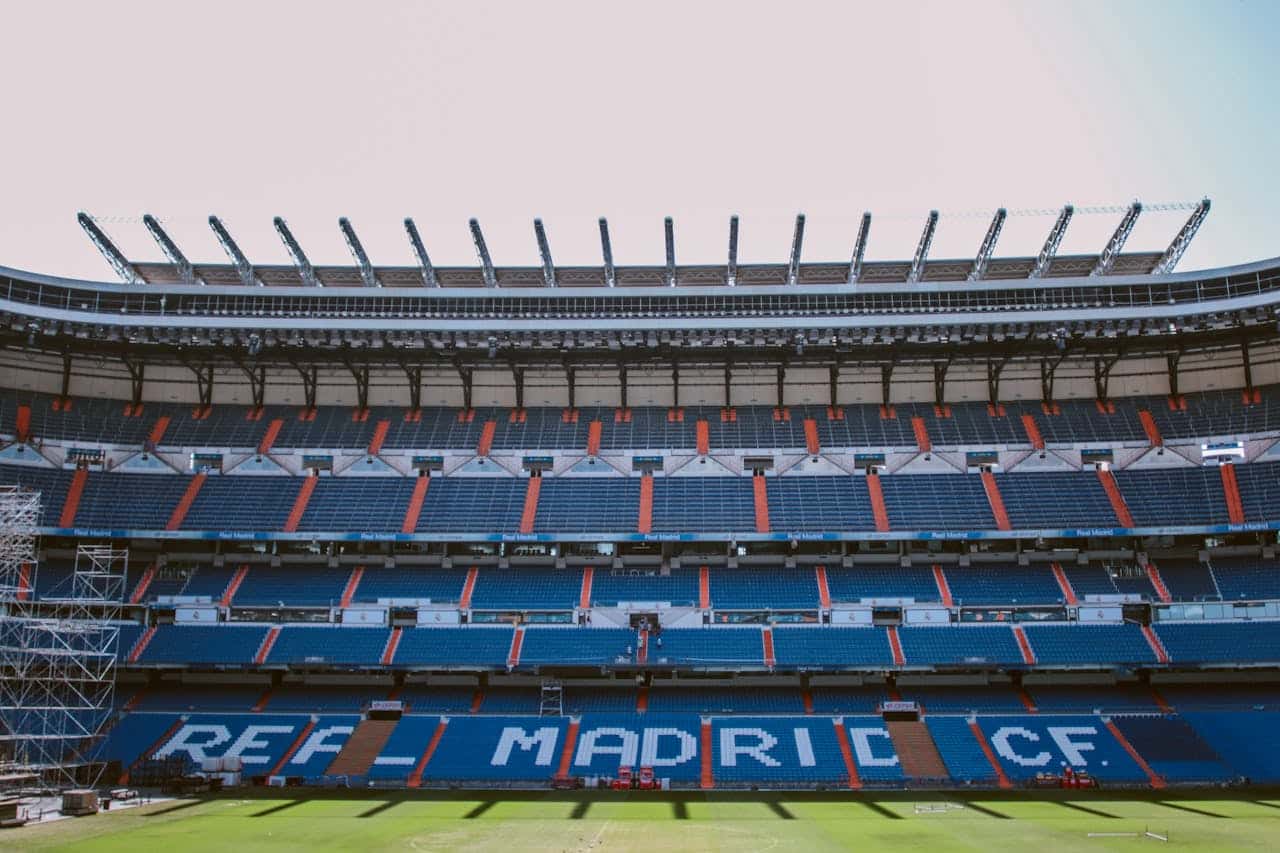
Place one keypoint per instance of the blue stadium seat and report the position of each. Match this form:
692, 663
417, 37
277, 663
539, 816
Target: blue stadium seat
697, 504
583, 646
1235, 738
779, 751
481, 646
1246, 580
193, 645
404, 750
358, 504
937, 502
960, 750
679, 587
1046, 743
1083, 644
1220, 642
1002, 584
957, 645
410, 582
301, 645
819, 504
295, 586
854, 584
709, 647
818, 647
583, 505
756, 588
527, 588
1173, 749
474, 749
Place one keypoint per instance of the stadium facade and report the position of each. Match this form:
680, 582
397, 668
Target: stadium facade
929, 523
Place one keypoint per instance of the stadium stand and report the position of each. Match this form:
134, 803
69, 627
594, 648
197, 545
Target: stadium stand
855, 582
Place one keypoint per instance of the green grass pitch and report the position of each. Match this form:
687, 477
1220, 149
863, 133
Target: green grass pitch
668, 822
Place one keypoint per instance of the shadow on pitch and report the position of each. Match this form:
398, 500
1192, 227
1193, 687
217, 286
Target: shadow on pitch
480, 810
179, 807
274, 809
1067, 804
380, 808
1185, 808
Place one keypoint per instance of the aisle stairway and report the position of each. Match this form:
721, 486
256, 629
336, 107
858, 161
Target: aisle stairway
360, 750
916, 750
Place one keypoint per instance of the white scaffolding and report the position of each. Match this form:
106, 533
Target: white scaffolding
57, 654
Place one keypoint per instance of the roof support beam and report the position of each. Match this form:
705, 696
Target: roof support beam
1049, 369
360, 373
1246, 362
1051, 244
732, 279
622, 383
571, 384
940, 369
922, 248
988, 246
425, 266
886, 381
669, 229
257, 376
241, 263
203, 374
797, 241
1173, 254
606, 249
1112, 250
675, 384
300, 261
1048, 372
127, 272
358, 253
517, 376
544, 251
1102, 367
309, 375
171, 251
860, 248
465, 373
482, 250
66, 375
137, 376
1171, 360
995, 367
413, 373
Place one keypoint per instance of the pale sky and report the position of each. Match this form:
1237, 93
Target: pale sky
569, 111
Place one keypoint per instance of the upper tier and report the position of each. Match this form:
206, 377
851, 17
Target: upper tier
1209, 415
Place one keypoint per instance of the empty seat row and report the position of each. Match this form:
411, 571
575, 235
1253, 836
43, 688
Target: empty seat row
745, 588
811, 647
1206, 415
381, 505
689, 750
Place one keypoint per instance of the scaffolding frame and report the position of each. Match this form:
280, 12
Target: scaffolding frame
57, 654
551, 700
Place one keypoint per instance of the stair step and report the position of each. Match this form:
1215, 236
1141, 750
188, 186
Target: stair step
360, 750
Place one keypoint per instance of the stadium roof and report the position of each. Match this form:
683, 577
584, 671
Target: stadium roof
984, 266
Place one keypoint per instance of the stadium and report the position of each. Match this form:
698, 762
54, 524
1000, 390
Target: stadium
917, 531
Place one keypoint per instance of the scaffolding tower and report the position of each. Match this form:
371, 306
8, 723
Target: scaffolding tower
57, 654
